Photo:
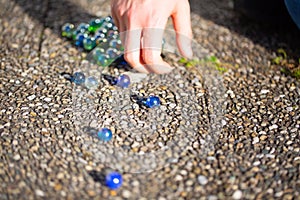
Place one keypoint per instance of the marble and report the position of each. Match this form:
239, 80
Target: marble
79, 39
112, 53
95, 24
113, 180
78, 78
105, 134
91, 83
67, 30
89, 43
123, 81
152, 101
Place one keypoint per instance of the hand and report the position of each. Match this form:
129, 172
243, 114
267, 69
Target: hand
141, 24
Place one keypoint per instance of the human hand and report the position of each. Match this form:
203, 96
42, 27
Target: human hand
141, 24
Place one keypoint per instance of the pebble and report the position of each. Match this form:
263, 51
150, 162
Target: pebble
264, 91
39, 193
47, 99
274, 126
255, 140
126, 194
237, 194
31, 97
17, 157
202, 180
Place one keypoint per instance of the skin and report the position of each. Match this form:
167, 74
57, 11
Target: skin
142, 23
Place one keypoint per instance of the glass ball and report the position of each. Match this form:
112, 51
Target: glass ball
152, 101
79, 39
108, 25
102, 60
97, 52
83, 27
95, 25
78, 78
123, 81
112, 52
115, 43
112, 34
91, 83
67, 30
89, 43
102, 30
105, 134
108, 19
113, 180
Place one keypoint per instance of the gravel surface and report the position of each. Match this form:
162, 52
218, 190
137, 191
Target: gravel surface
232, 135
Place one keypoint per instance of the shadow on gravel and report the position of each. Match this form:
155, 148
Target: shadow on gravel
283, 33
98, 176
54, 13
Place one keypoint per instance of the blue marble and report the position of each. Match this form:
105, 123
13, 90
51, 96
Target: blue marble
105, 134
78, 78
83, 27
113, 34
115, 43
123, 81
98, 51
67, 30
102, 30
102, 60
79, 39
112, 52
91, 83
89, 43
99, 35
152, 101
108, 19
113, 180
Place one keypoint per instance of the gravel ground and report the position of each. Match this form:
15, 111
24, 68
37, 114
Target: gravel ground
232, 135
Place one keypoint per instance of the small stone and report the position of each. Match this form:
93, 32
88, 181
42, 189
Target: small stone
172, 105
31, 97
17, 157
274, 126
264, 91
202, 180
255, 140
263, 137
237, 194
126, 194
91, 193
47, 99
57, 187
39, 193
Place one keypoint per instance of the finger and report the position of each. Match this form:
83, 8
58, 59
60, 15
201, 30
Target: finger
182, 25
132, 42
151, 51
